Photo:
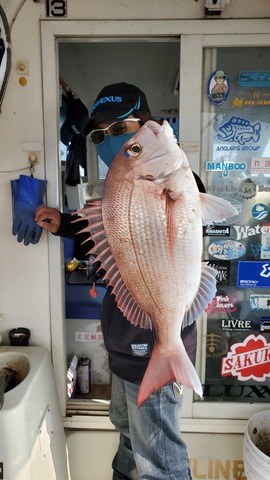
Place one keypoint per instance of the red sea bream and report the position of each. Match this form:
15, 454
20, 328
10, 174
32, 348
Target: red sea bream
147, 231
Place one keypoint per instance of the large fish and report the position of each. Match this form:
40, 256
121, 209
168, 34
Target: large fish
148, 237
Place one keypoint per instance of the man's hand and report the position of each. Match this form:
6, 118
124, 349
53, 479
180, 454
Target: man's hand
48, 218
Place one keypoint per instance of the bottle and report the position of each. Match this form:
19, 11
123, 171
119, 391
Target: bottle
84, 375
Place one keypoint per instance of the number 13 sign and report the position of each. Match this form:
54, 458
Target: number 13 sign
56, 8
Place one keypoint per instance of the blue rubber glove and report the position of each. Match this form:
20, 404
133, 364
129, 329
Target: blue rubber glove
27, 195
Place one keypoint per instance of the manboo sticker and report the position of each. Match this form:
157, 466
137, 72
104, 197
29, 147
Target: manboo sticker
225, 167
248, 360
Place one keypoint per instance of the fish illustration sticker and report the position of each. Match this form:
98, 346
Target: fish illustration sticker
239, 130
259, 211
227, 249
218, 87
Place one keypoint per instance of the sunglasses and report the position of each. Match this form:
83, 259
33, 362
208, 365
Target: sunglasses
116, 128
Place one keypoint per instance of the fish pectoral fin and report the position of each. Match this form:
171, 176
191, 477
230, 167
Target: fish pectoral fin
205, 295
215, 209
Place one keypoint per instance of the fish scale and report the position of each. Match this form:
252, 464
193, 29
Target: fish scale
147, 232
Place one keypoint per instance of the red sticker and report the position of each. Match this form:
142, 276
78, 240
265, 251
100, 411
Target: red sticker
248, 360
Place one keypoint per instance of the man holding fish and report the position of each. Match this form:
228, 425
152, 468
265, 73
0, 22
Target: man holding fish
146, 233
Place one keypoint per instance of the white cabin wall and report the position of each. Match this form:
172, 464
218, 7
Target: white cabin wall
24, 288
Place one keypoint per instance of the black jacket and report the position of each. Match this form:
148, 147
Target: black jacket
129, 347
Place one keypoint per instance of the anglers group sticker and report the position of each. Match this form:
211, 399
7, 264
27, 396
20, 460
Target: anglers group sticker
239, 130
253, 274
248, 360
218, 87
226, 249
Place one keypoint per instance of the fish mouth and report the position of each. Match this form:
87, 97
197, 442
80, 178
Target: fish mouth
154, 126
169, 171
223, 134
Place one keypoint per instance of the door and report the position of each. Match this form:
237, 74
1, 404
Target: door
196, 136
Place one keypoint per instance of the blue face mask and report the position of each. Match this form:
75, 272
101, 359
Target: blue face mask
111, 146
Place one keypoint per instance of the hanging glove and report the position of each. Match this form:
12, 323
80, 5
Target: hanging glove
27, 195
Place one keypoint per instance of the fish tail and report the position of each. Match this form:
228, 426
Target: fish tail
176, 366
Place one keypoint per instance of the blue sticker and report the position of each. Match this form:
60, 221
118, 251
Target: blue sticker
225, 167
253, 78
256, 249
239, 130
218, 87
253, 274
259, 211
227, 249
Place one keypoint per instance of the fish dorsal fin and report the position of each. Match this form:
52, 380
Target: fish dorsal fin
205, 295
215, 209
125, 302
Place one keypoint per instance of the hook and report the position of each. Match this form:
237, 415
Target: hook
32, 170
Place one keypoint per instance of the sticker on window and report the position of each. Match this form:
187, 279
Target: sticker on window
247, 360
218, 87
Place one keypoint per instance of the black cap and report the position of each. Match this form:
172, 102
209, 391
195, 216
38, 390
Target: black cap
115, 102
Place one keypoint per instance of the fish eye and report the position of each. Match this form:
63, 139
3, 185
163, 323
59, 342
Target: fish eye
134, 150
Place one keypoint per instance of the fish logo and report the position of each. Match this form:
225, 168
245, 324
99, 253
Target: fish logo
240, 131
259, 211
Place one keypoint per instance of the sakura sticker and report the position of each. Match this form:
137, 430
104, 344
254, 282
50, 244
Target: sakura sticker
218, 87
248, 360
